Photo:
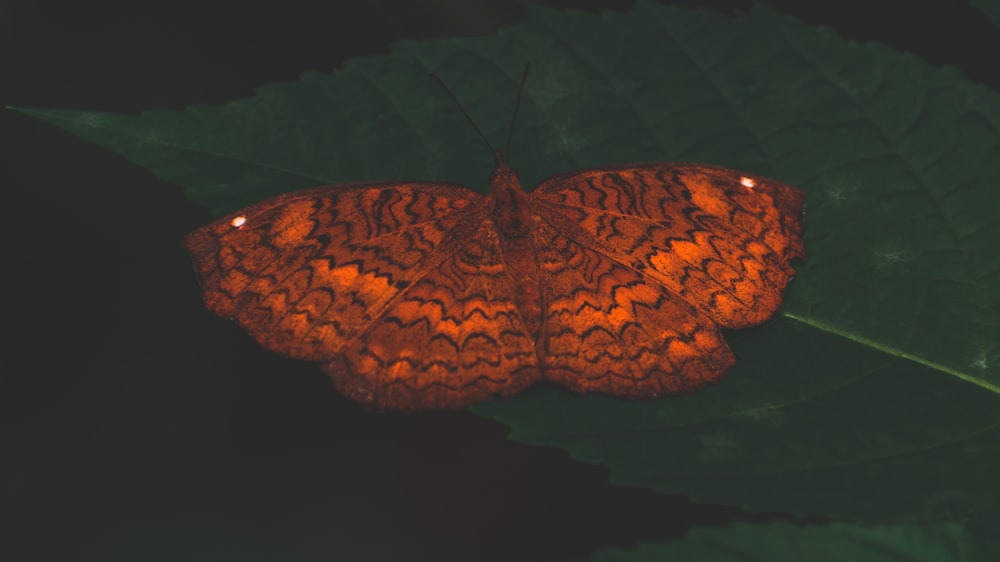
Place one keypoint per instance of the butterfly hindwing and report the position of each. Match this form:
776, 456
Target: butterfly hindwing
610, 329
451, 339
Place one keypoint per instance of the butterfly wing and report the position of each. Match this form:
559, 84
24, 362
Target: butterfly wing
643, 264
374, 281
305, 272
452, 339
609, 328
718, 238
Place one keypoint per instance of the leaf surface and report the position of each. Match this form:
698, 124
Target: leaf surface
780, 542
991, 8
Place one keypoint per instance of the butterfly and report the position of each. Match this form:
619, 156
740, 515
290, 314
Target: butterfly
424, 295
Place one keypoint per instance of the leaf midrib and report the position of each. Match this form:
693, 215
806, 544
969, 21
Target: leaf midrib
890, 350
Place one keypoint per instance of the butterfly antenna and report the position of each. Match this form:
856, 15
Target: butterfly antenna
464, 112
517, 106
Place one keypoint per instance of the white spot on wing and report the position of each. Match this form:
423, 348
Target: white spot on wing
748, 182
238, 221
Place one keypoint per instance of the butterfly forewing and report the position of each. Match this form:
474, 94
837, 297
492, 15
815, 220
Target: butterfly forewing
718, 238
305, 273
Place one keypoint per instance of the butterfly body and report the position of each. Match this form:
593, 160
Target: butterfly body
514, 220
421, 295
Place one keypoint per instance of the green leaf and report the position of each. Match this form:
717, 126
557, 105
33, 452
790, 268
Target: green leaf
779, 542
989, 7
873, 394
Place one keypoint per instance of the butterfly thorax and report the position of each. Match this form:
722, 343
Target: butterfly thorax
511, 214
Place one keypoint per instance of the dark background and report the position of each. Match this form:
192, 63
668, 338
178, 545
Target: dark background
135, 425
